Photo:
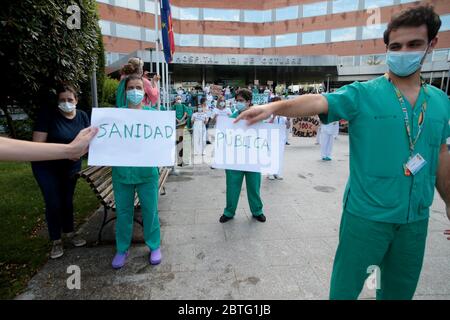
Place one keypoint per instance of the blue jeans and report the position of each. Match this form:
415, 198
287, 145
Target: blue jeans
58, 188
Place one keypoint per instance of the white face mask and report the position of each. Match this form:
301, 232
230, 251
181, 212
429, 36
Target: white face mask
66, 107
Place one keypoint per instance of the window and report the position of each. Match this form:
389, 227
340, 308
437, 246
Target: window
189, 40
406, 1
445, 23
313, 37
105, 27
150, 35
220, 41
149, 7
103, 1
314, 9
286, 40
257, 42
220, 14
128, 31
347, 61
344, 34
286, 13
344, 6
112, 57
189, 14
258, 16
373, 60
377, 3
375, 31
129, 4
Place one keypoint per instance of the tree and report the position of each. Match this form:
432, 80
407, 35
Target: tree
108, 97
41, 46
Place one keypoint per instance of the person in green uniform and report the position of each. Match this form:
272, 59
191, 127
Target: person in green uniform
398, 126
234, 178
144, 181
181, 118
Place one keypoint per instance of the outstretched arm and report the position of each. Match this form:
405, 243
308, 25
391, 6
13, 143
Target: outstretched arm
303, 106
19, 150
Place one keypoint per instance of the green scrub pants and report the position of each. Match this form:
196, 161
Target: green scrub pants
234, 185
148, 197
397, 249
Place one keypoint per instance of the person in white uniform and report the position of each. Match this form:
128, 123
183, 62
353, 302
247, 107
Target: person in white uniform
199, 119
221, 109
327, 134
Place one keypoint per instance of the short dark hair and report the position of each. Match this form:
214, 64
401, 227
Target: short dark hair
202, 100
415, 17
245, 93
63, 87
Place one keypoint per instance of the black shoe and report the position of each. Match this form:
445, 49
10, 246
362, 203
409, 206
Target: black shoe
288, 144
224, 219
208, 142
260, 218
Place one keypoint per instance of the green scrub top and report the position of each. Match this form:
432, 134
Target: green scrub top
377, 188
135, 175
180, 109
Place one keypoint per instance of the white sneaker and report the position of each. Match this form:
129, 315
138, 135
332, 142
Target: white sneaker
75, 239
271, 177
278, 177
57, 249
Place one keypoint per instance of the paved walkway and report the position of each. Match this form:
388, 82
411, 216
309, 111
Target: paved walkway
288, 257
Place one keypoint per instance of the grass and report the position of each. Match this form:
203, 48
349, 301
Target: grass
24, 247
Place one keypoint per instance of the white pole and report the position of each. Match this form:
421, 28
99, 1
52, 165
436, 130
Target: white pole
167, 86
157, 47
163, 84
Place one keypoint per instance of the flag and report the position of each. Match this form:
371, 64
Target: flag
167, 31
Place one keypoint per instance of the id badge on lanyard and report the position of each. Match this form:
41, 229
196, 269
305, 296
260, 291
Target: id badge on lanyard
414, 165
415, 162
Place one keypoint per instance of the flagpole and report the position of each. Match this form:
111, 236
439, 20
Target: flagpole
157, 50
167, 86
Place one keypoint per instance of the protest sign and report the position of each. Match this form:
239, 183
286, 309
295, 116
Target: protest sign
134, 138
256, 148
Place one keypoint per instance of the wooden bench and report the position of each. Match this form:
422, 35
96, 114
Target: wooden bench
100, 181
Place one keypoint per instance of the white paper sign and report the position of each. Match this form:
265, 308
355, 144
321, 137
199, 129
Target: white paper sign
256, 148
133, 138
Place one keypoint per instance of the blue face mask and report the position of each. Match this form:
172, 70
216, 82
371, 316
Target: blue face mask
240, 106
404, 64
135, 96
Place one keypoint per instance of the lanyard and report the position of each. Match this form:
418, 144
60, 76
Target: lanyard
421, 120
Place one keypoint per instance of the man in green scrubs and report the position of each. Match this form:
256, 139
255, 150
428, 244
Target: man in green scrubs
235, 177
396, 122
